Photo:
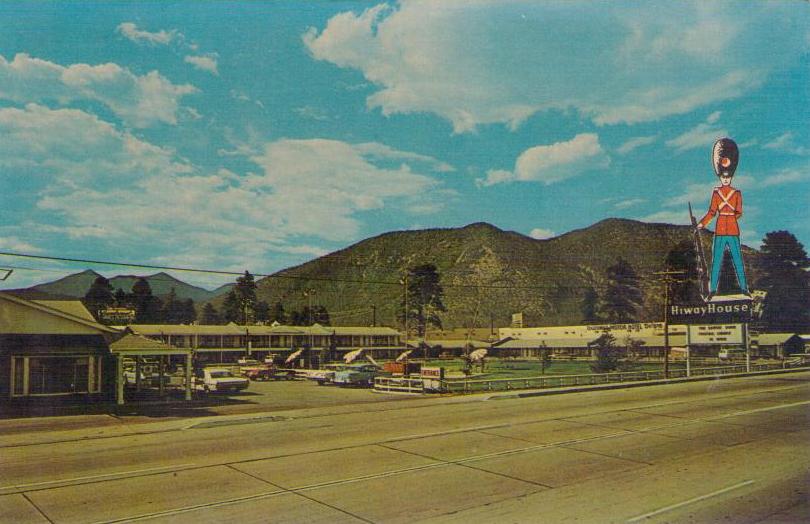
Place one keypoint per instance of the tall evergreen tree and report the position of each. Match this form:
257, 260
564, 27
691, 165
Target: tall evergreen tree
623, 298
172, 312
210, 315
607, 354
245, 292
684, 289
148, 308
424, 298
784, 264
262, 311
590, 306
99, 296
231, 308
188, 313
277, 313
122, 298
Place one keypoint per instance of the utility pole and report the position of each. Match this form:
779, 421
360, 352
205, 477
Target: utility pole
373, 315
308, 293
668, 274
404, 283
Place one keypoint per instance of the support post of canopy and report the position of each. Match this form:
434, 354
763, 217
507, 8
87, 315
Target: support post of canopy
119, 380
188, 376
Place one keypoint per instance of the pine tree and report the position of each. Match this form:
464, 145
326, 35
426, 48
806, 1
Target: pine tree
99, 296
590, 306
188, 313
245, 292
623, 298
277, 314
147, 307
607, 355
172, 308
784, 265
424, 298
262, 311
210, 315
231, 308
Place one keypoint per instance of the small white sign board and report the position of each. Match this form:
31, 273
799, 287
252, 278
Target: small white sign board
716, 334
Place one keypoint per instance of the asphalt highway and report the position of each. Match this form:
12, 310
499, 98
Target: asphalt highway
733, 450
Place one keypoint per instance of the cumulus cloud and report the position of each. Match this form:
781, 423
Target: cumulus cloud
86, 179
343, 178
204, 62
552, 163
141, 101
702, 135
500, 62
130, 31
76, 146
540, 233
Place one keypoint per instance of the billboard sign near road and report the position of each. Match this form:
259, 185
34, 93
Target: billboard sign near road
716, 334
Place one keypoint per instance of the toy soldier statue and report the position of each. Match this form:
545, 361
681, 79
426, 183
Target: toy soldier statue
727, 203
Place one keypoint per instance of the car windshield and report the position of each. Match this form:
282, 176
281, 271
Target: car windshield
221, 373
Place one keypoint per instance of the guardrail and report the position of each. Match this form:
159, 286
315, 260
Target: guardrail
559, 381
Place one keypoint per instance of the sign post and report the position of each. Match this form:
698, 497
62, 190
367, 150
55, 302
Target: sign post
688, 351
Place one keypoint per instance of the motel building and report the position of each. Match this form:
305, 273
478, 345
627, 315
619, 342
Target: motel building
229, 343
645, 341
52, 349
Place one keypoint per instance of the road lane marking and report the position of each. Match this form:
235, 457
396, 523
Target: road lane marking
95, 477
691, 501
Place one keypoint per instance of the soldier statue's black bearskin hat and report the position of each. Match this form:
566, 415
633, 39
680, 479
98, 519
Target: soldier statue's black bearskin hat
725, 156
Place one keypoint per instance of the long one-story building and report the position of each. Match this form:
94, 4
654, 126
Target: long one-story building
638, 339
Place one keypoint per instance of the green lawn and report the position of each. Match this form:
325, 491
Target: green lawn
496, 368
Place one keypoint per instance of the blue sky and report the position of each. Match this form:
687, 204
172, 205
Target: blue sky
257, 136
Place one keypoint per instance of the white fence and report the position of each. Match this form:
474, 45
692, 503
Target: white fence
559, 381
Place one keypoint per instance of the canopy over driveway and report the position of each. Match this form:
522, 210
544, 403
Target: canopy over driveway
136, 347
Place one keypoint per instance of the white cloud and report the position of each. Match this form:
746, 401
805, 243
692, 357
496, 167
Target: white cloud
702, 135
552, 163
785, 142
669, 217
77, 147
17, 245
541, 234
204, 62
636, 142
312, 113
141, 101
490, 61
624, 204
786, 176
131, 32
342, 178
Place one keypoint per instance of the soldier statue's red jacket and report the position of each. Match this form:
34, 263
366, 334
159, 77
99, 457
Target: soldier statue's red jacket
727, 202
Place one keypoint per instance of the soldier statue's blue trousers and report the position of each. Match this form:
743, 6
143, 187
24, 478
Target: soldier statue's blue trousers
732, 242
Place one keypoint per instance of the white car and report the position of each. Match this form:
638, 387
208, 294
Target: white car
218, 379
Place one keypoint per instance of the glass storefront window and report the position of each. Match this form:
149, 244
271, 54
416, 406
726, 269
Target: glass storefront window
50, 375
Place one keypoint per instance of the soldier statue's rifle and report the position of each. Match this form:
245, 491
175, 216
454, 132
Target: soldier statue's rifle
703, 275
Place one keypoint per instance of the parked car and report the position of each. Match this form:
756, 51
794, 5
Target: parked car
148, 380
218, 379
267, 372
356, 375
